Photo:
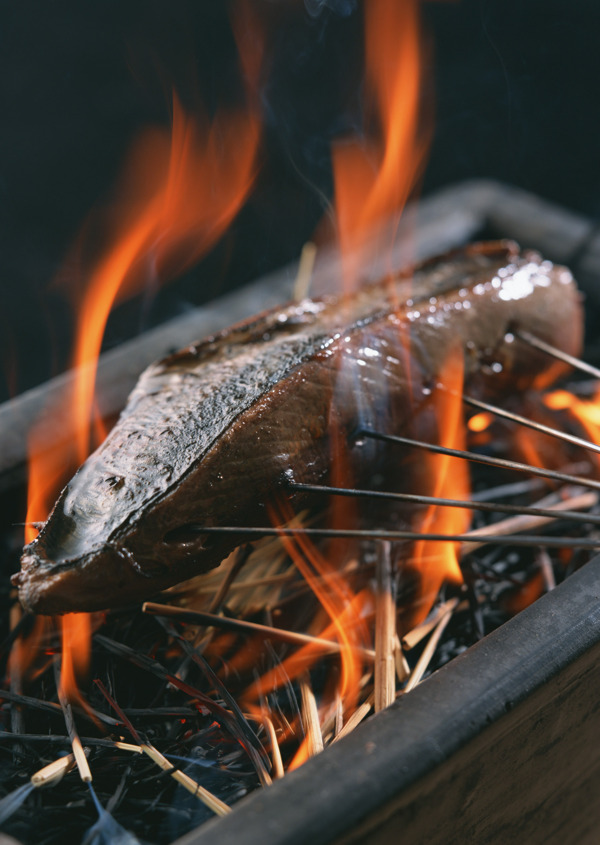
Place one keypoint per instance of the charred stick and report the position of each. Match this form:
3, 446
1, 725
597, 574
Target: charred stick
16, 626
17, 721
503, 463
278, 770
157, 712
80, 757
82, 764
413, 637
240, 626
253, 744
211, 801
152, 665
64, 740
413, 498
385, 630
428, 652
51, 706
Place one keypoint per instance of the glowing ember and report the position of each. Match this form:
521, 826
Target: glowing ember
480, 422
76, 632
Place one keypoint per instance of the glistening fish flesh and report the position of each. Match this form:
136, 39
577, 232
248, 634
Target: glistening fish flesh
212, 433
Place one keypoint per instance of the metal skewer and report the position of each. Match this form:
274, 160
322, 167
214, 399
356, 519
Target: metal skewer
414, 498
536, 426
577, 363
504, 463
408, 536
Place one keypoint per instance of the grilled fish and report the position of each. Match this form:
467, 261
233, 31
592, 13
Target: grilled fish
212, 432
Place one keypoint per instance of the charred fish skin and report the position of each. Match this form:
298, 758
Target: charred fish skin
211, 433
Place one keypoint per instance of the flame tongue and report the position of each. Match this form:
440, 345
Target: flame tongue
374, 178
76, 634
448, 478
181, 193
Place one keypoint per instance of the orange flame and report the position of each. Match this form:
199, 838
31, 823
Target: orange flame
480, 422
182, 192
520, 598
374, 178
206, 176
347, 614
438, 562
348, 626
26, 649
586, 411
347, 623
76, 636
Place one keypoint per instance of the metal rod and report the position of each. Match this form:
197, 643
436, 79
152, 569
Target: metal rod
409, 536
522, 522
504, 463
53, 772
536, 426
577, 363
414, 498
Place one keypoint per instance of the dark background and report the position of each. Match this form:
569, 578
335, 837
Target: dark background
516, 91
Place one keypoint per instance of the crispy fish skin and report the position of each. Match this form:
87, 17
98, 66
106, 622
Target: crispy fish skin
211, 433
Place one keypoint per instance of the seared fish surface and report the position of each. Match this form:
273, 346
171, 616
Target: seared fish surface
211, 433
